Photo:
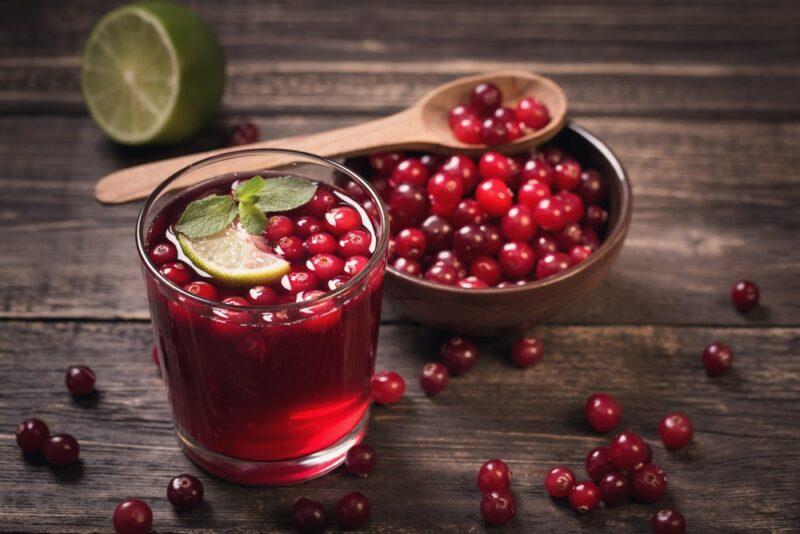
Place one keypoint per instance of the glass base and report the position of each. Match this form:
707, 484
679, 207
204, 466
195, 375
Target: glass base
281, 472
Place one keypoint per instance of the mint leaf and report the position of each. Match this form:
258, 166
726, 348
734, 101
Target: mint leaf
207, 216
248, 189
252, 218
285, 193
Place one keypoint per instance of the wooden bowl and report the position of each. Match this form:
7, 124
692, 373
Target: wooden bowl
492, 311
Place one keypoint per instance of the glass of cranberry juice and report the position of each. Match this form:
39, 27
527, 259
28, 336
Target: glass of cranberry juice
277, 393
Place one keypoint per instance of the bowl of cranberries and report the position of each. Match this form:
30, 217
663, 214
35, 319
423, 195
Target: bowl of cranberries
499, 242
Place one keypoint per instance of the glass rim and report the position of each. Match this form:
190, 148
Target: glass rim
382, 244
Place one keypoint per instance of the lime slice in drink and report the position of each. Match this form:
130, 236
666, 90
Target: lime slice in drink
232, 257
152, 72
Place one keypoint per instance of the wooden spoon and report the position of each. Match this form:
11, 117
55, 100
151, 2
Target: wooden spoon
423, 126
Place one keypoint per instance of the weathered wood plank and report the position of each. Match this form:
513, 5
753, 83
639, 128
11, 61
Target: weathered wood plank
429, 450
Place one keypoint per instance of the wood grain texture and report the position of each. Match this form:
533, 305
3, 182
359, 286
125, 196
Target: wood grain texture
429, 449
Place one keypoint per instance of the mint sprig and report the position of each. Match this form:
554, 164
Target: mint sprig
251, 199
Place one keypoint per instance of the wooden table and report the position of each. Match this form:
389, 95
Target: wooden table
700, 101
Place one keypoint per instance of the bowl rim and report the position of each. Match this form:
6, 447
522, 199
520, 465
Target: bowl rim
616, 234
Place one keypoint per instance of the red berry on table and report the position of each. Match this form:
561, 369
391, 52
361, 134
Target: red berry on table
627, 451
498, 507
598, 463
603, 412
668, 522
360, 459
459, 355
61, 450
592, 188
615, 488
744, 295
176, 272
32, 435
460, 112
648, 483
308, 516
434, 378
552, 264
468, 131
532, 113
384, 163
133, 516
410, 243
549, 214
485, 98
495, 166
352, 511
493, 132
494, 475
80, 380
163, 253
567, 174
463, 168
516, 259
442, 274
527, 351
387, 387
410, 171
717, 358
559, 481
675, 430
584, 496
518, 224
185, 492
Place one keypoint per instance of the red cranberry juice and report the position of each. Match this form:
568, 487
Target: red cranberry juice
278, 383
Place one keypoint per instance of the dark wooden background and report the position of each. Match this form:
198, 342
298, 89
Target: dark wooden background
700, 101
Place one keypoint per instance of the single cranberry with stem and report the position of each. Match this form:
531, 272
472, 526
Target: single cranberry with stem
434, 378
459, 355
441, 273
185, 492
494, 475
133, 516
410, 243
410, 171
527, 351
603, 412
518, 224
498, 507
387, 387
615, 488
648, 483
559, 481
592, 188
438, 233
668, 522
717, 358
32, 435
407, 266
464, 168
163, 253
552, 264
516, 259
486, 269
598, 463
485, 98
176, 272
675, 430
360, 459
744, 295
61, 450
80, 380
627, 451
308, 516
533, 113
244, 133
352, 511
468, 131
584, 496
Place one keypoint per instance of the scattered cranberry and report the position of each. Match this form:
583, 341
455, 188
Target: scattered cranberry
133, 516
603, 412
485, 98
494, 475
80, 380
498, 507
360, 459
675, 430
308, 516
598, 463
744, 295
527, 351
559, 481
387, 387
176, 272
185, 492
717, 358
615, 488
61, 449
352, 510
627, 451
163, 253
32, 435
532, 113
668, 522
648, 483
459, 355
434, 378
243, 134
584, 496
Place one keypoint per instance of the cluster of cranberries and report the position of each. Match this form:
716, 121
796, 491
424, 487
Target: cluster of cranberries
484, 120
134, 516
33, 436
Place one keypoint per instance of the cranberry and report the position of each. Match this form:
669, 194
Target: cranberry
163, 253
495, 166
444, 192
498, 507
32, 435
486, 269
544, 244
176, 272
515, 129
539, 170
584, 496
185, 492
472, 282
409, 203
494, 475
595, 217
202, 289
590, 238
559, 481
485, 98
80, 380
552, 264
325, 266
518, 224
493, 132
355, 264
468, 242
295, 282
459, 355
442, 273
337, 281
434, 378
592, 188
598, 463
668, 522
308, 516
569, 237
627, 451
573, 206
244, 133
468, 131
504, 114
387, 387
603, 412
320, 243
342, 219
460, 112
410, 243
352, 510
384, 163
744, 295
360, 459
553, 155
675, 430
410, 171
567, 174
468, 211
133, 516
438, 233
291, 248
648, 484
279, 226
717, 358
516, 259
532, 113
323, 200
549, 214
407, 266
493, 239
532, 192
463, 168
61, 449
578, 254
527, 351
614, 488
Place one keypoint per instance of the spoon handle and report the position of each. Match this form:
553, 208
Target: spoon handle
400, 130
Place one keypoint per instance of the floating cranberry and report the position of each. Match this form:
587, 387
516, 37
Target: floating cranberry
559, 481
527, 351
539, 170
485, 98
567, 174
532, 113
61, 449
133, 516
468, 131
494, 475
675, 430
444, 193
495, 166
409, 202
615, 488
573, 206
648, 483
410, 171
325, 266
32, 435
355, 264
627, 451
442, 273
603, 412
185, 492
176, 272
516, 259
407, 266
668, 522
498, 507
584, 496
321, 202
352, 511
438, 233
387, 387
295, 282
549, 214
552, 264
360, 459
460, 112
384, 163
463, 168
306, 225
434, 378
279, 226
202, 289
80, 380
459, 355
291, 248
532, 192
308, 516
518, 224
320, 243
410, 243
468, 211
486, 269
744, 295
598, 463
717, 358
592, 188
163, 253
595, 217
342, 219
